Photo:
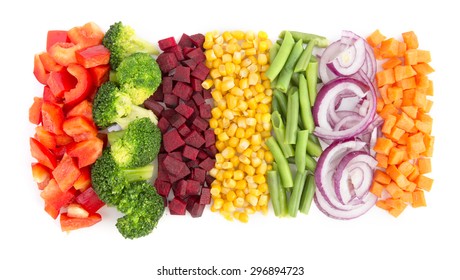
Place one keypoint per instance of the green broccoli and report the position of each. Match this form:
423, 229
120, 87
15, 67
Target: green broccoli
109, 180
142, 206
137, 145
111, 105
121, 40
139, 76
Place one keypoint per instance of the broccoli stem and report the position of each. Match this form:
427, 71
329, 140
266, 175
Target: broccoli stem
139, 173
137, 112
113, 136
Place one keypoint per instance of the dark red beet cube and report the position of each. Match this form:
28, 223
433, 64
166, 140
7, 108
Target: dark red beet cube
197, 39
158, 94
153, 105
207, 94
190, 152
166, 43
209, 179
177, 168
209, 137
171, 100
194, 139
193, 187
212, 151
185, 41
177, 51
163, 125
205, 197
167, 61
190, 63
180, 189
172, 141
200, 123
182, 74
202, 155
177, 120
186, 50
177, 206
196, 84
200, 72
168, 113
193, 163
167, 85
184, 130
207, 164
182, 90
197, 55
198, 98
184, 110
89, 200
194, 207
199, 175
177, 155
205, 111
163, 187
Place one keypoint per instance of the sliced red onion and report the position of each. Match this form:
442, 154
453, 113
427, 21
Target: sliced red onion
350, 60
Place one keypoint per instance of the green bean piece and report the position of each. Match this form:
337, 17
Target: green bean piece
273, 51
307, 194
322, 41
295, 79
313, 138
314, 149
275, 105
280, 132
281, 57
296, 194
305, 109
284, 78
310, 163
301, 149
282, 101
312, 79
281, 162
292, 116
304, 59
273, 188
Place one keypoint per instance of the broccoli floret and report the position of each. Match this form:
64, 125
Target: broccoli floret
139, 76
143, 207
137, 145
109, 180
111, 105
121, 40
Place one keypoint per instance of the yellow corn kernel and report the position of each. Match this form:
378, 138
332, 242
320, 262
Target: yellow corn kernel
237, 56
218, 203
227, 36
215, 191
263, 200
256, 162
243, 83
236, 91
239, 201
267, 132
228, 152
216, 113
233, 142
247, 45
244, 159
252, 199
213, 123
266, 100
241, 184
258, 98
226, 58
259, 178
263, 47
229, 183
231, 196
267, 85
253, 68
227, 113
263, 188
251, 121
227, 83
207, 84
259, 88
237, 34
218, 130
219, 158
231, 130
235, 161
220, 175
218, 51
250, 210
252, 103
262, 35
217, 83
227, 165
225, 123
262, 168
268, 157
253, 78
251, 51
216, 62
208, 64
219, 40
259, 128
208, 44
217, 95
246, 62
243, 145
262, 59
230, 68
232, 101
243, 217
213, 172
240, 193
250, 170
239, 132
238, 175
214, 73
260, 154
220, 146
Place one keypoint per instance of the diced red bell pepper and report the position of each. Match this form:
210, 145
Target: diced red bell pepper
56, 198
89, 200
56, 36
83, 87
52, 117
89, 34
42, 154
41, 175
48, 62
39, 70
68, 223
66, 173
45, 137
86, 151
93, 56
100, 74
60, 82
52, 211
35, 111
84, 180
64, 53
59, 152
83, 109
79, 128
48, 96
75, 210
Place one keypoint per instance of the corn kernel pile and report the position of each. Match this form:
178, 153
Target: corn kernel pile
241, 121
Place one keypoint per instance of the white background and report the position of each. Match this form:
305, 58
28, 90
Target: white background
420, 244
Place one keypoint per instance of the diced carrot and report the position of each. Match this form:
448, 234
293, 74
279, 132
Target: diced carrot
407, 83
429, 105
394, 190
394, 93
383, 146
408, 97
380, 104
388, 124
412, 186
418, 197
423, 68
388, 109
416, 144
382, 160
375, 38
391, 63
423, 126
403, 139
420, 99
411, 111
398, 103
423, 56
422, 81
407, 197
403, 72
410, 39
401, 49
428, 140
376, 188
397, 206
430, 88
405, 122
410, 57
381, 177
383, 205
377, 54
385, 77
389, 48
397, 176
383, 93
406, 168
424, 183
424, 165
396, 156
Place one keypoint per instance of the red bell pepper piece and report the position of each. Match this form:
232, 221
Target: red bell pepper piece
100, 74
83, 109
66, 173
89, 200
84, 180
45, 137
63, 139
63, 53
87, 35
54, 197
48, 62
79, 128
48, 96
86, 151
42, 154
52, 211
52, 117
41, 175
68, 223
60, 82
35, 111
93, 56
56, 36
39, 70
83, 87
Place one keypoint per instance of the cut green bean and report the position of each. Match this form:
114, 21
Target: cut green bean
314, 149
307, 194
273, 51
280, 132
313, 138
282, 102
281, 193
285, 75
301, 149
310, 163
274, 188
312, 79
281, 57
292, 116
275, 105
304, 59
322, 41
281, 162
296, 194
295, 79
305, 108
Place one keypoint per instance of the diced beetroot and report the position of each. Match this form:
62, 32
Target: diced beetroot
198, 98
167, 85
167, 61
209, 137
184, 110
158, 94
184, 130
185, 41
153, 105
177, 206
177, 51
171, 100
194, 139
197, 39
182, 74
166, 43
207, 94
200, 72
209, 179
172, 141
207, 164
192, 105
163, 125
177, 155
199, 175
186, 50
194, 207
205, 111
163, 187
196, 84
177, 120
197, 55
180, 189
193, 188
193, 164
168, 113
190, 63
205, 197
89, 200
202, 155
212, 151
201, 124
190, 152
182, 90
176, 167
